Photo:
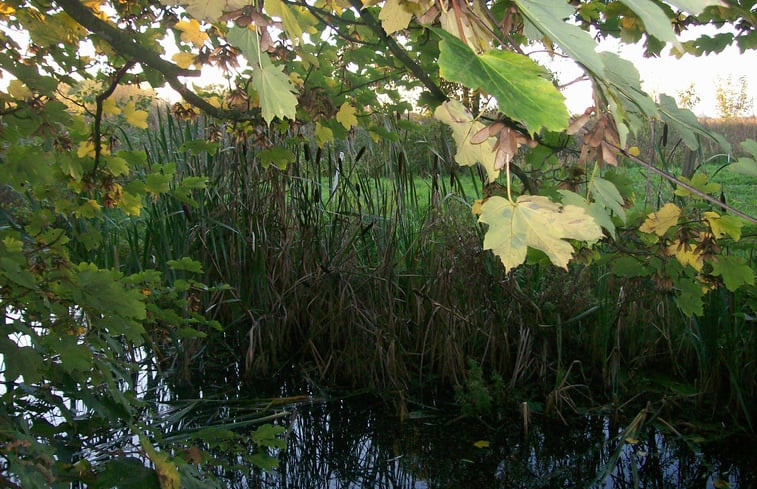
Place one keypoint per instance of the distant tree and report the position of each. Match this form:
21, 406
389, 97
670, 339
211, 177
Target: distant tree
733, 97
688, 98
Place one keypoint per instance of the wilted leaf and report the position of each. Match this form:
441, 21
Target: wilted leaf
457, 117
662, 220
536, 222
481, 444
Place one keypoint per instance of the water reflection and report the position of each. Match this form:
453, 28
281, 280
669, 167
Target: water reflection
351, 445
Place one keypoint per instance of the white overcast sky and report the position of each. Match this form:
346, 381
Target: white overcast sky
671, 75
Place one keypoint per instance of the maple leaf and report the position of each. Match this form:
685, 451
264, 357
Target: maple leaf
86, 148
724, 225
463, 126
700, 182
191, 32
535, 221
134, 116
662, 220
18, 90
734, 271
275, 92
394, 17
346, 116
686, 254
323, 134
109, 107
183, 60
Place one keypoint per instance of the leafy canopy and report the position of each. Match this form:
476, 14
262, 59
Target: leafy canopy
319, 68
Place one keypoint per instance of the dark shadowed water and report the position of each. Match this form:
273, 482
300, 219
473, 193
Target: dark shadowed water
355, 444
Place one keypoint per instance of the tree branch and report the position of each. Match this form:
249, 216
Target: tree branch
685, 185
400, 53
124, 44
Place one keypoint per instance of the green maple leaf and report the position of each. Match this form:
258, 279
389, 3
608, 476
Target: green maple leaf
700, 182
734, 271
606, 193
535, 221
656, 22
689, 299
549, 17
275, 89
520, 86
275, 92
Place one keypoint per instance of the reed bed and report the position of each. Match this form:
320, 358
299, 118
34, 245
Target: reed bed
365, 274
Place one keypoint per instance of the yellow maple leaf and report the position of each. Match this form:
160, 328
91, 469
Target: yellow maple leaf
184, 60
481, 444
662, 220
533, 221
134, 116
394, 17
109, 107
724, 225
86, 148
346, 116
191, 32
686, 254
323, 134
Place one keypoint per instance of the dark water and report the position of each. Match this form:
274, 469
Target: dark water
354, 444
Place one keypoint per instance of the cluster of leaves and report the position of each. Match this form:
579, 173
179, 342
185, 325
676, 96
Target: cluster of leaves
313, 68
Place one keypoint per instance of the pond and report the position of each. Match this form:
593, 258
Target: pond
357, 443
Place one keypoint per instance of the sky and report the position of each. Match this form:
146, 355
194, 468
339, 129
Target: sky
670, 75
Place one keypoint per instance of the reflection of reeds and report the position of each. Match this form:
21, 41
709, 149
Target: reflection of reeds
353, 445
374, 277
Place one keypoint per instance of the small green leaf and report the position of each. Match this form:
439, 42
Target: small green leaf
700, 182
279, 156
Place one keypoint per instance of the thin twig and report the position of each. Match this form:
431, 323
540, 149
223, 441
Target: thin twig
683, 184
